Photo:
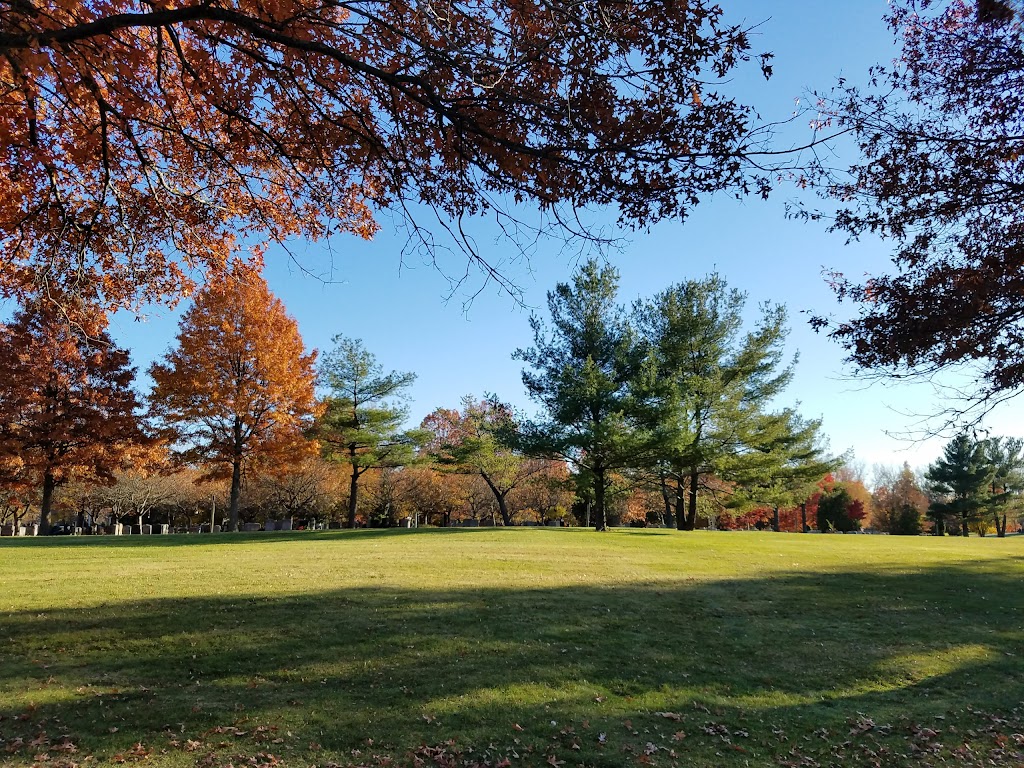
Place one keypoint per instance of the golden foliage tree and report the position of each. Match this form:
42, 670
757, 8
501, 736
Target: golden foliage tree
238, 388
140, 137
67, 406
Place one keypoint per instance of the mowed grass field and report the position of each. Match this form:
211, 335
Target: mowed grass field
512, 647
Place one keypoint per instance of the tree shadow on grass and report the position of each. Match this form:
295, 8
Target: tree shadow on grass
546, 670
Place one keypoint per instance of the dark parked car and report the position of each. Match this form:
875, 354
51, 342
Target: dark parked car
62, 529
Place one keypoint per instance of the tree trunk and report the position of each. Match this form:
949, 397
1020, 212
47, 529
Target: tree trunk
803, 517
965, 529
775, 518
681, 507
353, 492
236, 476
44, 505
600, 518
506, 518
1001, 526
236, 493
667, 498
691, 512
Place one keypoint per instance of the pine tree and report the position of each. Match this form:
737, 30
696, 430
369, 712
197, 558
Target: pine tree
715, 387
587, 372
961, 476
361, 425
1007, 463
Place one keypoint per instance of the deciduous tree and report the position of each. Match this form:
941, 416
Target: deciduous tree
469, 441
547, 491
140, 140
308, 488
899, 502
67, 406
237, 389
941, 139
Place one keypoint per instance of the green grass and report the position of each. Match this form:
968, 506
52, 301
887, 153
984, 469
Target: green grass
440, 647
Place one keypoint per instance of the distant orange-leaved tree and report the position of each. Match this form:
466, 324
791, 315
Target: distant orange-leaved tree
237, 390
67, 406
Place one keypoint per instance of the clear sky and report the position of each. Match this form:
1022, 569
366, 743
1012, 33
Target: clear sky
403, 311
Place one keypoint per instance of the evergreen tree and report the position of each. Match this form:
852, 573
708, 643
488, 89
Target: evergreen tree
961, 477
715, 384
837, 511
782, 467
362, 423
1007, 464
587, 371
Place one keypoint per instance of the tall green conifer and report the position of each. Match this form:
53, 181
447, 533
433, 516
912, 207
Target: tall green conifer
586, 371
961, 476
715, 389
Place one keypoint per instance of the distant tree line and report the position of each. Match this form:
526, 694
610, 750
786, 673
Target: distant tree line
665, 412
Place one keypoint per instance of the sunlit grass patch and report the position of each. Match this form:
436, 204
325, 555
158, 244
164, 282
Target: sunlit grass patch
642, 647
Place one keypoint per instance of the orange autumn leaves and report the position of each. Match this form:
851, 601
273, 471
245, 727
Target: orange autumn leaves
237, 390
140, 143
67, 407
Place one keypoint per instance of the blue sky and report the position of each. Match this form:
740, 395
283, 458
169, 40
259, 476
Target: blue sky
405, 313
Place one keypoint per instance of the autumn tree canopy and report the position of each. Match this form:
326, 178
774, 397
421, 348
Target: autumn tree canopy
469, 441
899, 501
941, 141
237, 390
67, 406
141, 140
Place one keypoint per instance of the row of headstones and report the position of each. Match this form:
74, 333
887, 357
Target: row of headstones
489, 524
119, 529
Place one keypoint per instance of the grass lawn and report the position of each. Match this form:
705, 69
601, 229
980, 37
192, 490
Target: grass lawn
512, 647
